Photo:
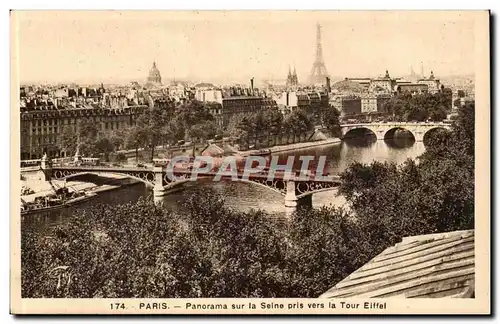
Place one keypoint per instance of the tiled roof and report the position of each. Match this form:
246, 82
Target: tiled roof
427, 266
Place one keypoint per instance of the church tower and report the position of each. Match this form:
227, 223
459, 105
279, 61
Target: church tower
292, 79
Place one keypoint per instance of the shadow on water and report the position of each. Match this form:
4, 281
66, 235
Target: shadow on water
400, 142
365, 140
399, 138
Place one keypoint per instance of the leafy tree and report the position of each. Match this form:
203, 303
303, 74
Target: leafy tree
103, 145
273, 119
419, 107
116, 137
299, 123
236, 126
331, 119
87, 137
136, 137
67, 140
240, 127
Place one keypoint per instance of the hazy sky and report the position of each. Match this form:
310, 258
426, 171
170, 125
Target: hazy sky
93, 46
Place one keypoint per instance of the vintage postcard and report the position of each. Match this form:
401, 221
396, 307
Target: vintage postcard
250, 162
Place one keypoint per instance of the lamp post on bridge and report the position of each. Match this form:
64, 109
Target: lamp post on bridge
77, 158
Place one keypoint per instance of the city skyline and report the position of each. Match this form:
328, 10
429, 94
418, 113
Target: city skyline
114, 46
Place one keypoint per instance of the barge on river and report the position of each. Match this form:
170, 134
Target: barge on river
61, 199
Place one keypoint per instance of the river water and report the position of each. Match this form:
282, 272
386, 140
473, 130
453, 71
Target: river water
242, 196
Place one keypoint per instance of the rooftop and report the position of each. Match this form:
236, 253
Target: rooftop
426, 266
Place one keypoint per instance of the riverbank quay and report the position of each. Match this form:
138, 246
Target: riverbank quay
291, 147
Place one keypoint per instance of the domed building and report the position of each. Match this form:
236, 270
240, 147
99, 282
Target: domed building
154, 75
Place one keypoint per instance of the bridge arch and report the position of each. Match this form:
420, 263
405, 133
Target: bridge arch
147, 178
357, 129
434, 130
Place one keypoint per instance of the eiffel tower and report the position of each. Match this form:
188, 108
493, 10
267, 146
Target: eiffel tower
318, 72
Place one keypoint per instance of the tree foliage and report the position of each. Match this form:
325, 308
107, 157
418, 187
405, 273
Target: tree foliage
90, 139
419, 107
331, 120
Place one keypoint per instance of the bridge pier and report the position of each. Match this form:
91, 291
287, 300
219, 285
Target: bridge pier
419, 136
158, 189
291, 200
290, 196
380, 135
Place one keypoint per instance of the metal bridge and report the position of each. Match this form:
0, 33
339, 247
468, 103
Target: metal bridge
297, 189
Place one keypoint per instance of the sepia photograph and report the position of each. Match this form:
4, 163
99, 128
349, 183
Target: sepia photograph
328, 162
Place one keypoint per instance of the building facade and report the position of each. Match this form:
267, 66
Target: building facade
41, 127
228, 102
433, 84
382, 85
413, 88
348, 105
313, 103
371, 103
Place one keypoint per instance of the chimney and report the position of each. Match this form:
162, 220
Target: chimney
328, 87
251, 86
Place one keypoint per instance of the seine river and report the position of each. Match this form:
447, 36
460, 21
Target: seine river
244, 197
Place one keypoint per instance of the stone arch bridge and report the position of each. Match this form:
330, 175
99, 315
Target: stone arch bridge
386, 130
297, 191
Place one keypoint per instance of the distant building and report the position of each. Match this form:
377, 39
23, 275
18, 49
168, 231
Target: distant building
228, 102
42, 125
363, 82
382, 85
347, 86
348, 105
311, 102
154, 77
434, 85
373, 103
413, 88
209, 95
292, 80
180, 92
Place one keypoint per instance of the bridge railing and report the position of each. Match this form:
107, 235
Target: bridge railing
423, 123
263, 174
30, 163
